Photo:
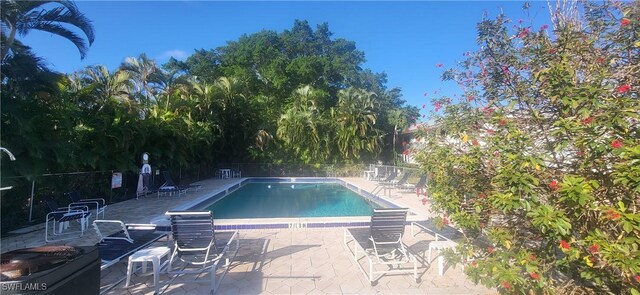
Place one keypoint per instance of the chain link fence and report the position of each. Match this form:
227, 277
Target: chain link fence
21, 205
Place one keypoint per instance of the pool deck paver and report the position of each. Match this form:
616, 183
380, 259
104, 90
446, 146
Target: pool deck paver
269, 261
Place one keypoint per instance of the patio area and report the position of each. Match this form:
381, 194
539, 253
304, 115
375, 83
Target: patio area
287, 261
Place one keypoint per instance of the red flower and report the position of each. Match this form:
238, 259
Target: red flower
490, 250
587, 121
506, 285
437, 106
580, 153
600, 60
424, 201
612, 214
616, 144
594, 249
534, 276
552, 51
624, 22
445, 221
474, 264
474, 142
544, 27
564, 245
523, 33
532, 257
502, 122
439, 65
637, 278
487, 111
554, 185
624, 88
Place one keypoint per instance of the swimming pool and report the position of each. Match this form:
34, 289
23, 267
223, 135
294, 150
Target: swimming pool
291, 200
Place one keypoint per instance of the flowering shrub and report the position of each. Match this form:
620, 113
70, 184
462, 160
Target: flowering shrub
543, 163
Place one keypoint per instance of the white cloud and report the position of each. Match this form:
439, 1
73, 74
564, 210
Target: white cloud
175, 53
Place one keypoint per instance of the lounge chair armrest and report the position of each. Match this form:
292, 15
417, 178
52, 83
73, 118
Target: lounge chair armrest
78, 206
140, 226
118, 222
99, 200
110, 221
66, 213
84, 203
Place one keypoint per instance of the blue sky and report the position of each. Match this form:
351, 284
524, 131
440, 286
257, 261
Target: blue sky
403, 39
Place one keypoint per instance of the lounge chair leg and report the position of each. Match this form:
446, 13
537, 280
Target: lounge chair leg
415, 269
370, 272
129, 271
213, 280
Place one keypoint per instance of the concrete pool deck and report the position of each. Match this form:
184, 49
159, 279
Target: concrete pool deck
276, 261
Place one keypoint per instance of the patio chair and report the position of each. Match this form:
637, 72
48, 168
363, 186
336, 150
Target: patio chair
389, 178
402, 181
61, 216
150, 187
168, 182
127, 239
97, 204
418, 186
197, 244
382, 244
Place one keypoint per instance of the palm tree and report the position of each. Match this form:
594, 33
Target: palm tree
105, 85
355, 119
144, 75
231, 90
301, 126
22, 16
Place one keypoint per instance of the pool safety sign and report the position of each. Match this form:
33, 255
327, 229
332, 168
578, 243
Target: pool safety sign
116, 179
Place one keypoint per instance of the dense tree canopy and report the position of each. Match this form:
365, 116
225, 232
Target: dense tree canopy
297, 96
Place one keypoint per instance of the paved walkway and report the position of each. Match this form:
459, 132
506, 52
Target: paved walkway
290, 261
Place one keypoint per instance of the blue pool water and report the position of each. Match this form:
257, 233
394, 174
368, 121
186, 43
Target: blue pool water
273, 200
